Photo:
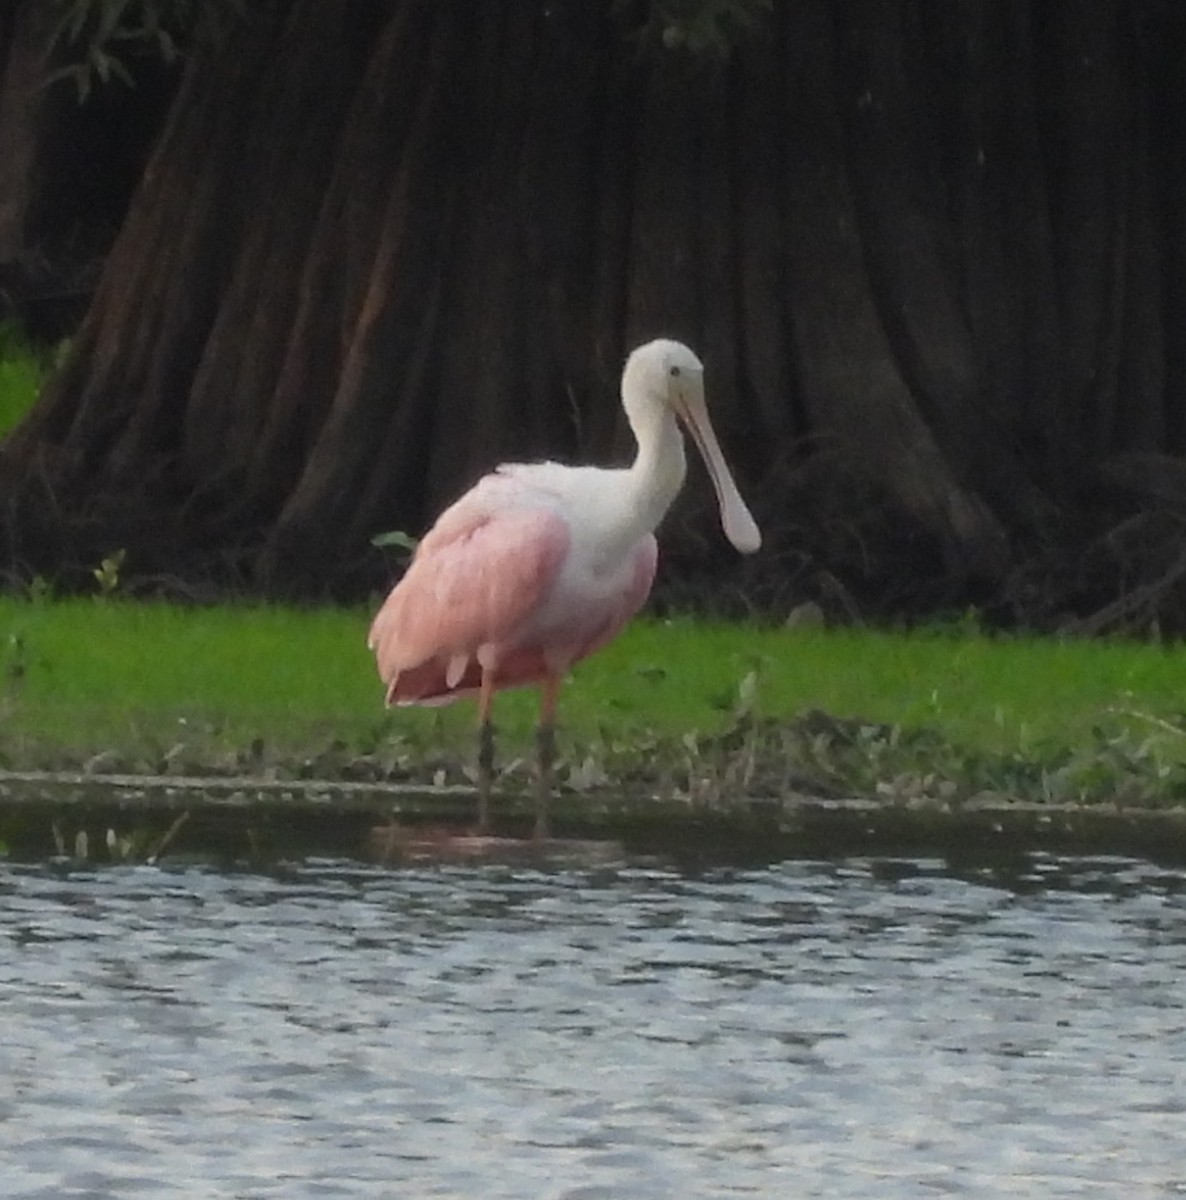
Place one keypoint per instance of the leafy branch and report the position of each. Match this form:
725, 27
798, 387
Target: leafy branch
99, 38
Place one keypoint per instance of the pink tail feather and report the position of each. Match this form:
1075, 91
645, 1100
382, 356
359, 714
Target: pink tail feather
427, 684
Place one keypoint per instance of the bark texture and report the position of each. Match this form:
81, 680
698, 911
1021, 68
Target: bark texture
932, 254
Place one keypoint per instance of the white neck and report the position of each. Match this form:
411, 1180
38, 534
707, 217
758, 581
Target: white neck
659, 468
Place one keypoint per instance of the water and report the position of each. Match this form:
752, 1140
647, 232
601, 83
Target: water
856, 1028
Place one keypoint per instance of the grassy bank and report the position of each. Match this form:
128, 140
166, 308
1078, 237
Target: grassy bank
678, 707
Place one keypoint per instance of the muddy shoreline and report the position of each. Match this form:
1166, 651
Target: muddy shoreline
123, 817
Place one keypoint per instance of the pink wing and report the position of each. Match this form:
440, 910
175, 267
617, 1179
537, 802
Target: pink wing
476, 577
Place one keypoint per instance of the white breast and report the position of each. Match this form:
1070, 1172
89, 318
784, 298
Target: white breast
605, 530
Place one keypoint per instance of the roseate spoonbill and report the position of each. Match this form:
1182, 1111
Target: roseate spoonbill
538, 565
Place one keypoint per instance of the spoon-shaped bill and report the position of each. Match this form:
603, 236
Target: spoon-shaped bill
739, 525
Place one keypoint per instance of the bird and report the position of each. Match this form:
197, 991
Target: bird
539, 565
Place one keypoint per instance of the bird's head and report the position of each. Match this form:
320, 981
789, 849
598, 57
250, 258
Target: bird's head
665, 377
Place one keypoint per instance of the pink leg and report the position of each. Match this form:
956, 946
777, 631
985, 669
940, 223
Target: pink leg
485, 750
546, 746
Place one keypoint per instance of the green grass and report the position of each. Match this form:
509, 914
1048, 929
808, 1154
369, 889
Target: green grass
155, 686
90, 674
990, 693
22, 372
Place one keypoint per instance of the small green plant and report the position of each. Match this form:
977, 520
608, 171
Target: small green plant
16, 662
396, 538
707, 29
403, 545
39, 590
107, 572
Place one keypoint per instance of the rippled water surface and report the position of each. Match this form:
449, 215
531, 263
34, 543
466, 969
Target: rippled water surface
866, 1027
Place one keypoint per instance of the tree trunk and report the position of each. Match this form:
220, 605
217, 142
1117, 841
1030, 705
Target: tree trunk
930, 255
24, 32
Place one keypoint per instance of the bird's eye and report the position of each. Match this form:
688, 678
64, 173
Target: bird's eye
673, 372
